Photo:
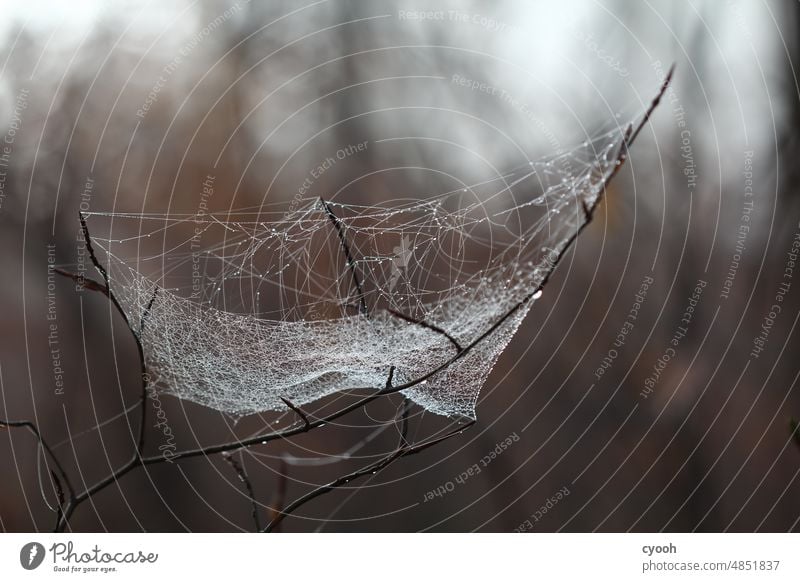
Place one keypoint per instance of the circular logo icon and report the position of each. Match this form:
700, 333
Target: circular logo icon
31, 555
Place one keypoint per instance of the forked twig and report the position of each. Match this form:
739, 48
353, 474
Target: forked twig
429, 326
351, 263
57, 477
403, 449
298, 411
59, 496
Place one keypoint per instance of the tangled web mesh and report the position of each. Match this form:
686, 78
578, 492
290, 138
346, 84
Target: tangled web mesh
262, 304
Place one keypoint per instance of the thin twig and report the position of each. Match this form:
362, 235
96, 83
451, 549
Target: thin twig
351, 263
143, 371
146, 312
379, 465
653, 104
30, 426
105, 288
402, 449
298, 411
239, 468
279, 498
43, 443
429, 326
84, 282
59, 496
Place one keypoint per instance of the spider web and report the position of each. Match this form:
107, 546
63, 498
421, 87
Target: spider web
238, 311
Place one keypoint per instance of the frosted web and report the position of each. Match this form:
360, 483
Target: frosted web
299, 302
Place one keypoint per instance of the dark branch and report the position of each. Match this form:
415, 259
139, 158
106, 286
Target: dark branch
279, 498
247, 484
90, 284
298, 411
143, 371
403, 449
90, 249
57, 478
429, 326
59, 496
351, 263
146, 312
105, 288
653, 105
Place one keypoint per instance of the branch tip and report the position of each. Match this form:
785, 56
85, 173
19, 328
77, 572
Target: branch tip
298, 411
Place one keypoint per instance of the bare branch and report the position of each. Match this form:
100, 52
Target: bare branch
146, 312
429, 326
298, 412
90, 249
279, 497
239, 468
351, 263
57, 480
90, 284
653, 104
59, 496
403, 449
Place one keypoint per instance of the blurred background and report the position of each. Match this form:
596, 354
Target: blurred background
131, 106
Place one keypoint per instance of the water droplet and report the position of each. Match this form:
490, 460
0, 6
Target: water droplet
537, 294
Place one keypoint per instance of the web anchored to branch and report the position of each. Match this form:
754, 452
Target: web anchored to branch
265, 311
257, 309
